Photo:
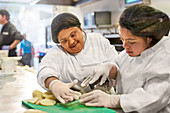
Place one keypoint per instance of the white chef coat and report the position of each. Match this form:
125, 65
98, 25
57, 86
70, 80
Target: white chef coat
144, 81
67, 67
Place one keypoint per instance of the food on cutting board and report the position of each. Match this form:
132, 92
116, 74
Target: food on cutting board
33, 100
38, 94
45, 99
34, 111
38, 102
47, 102
49, 95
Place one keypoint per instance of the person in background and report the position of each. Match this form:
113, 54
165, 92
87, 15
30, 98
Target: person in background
26, 51
143, 82
76, 56
10, 36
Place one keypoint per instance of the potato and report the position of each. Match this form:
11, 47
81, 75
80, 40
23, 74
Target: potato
38, 94
47, 102
45, 99
33, 100
34, 111
48, 95
38, 102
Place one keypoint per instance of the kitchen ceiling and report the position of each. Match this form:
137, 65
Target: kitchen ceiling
57, 2
48, 2
16, 1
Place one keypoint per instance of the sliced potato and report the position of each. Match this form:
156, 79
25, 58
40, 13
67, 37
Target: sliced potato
38, 102
33, 100
48, 95
51, 97
47, 102
37, 93
45, 99
34, 111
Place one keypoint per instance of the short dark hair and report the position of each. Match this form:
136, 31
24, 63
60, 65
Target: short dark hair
145, 21
63, 21
5, 12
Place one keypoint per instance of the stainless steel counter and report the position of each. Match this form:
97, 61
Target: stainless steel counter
15, 88
18, 87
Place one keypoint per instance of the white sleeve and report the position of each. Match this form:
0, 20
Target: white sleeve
50, 66
44, 73
153, 94
121, 57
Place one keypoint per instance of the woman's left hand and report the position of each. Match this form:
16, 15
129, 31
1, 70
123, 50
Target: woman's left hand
63, 92
100, 99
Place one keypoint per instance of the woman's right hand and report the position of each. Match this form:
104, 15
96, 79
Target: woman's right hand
63, 92
101, 73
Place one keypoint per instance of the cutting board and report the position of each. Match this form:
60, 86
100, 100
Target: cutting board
76, 107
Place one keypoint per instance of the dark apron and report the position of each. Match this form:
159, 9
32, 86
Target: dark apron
26, 59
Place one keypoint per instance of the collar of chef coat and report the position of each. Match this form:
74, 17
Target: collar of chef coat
150, 51
85, 60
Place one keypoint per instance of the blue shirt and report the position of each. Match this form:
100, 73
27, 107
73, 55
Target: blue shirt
26, 46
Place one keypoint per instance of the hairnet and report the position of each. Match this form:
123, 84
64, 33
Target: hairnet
63, 21
4, 12
145, 21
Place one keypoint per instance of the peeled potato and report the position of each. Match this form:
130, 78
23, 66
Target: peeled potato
38, 94
45, 99
48, 95
47, 102
34, 111
33, 100
38, 102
